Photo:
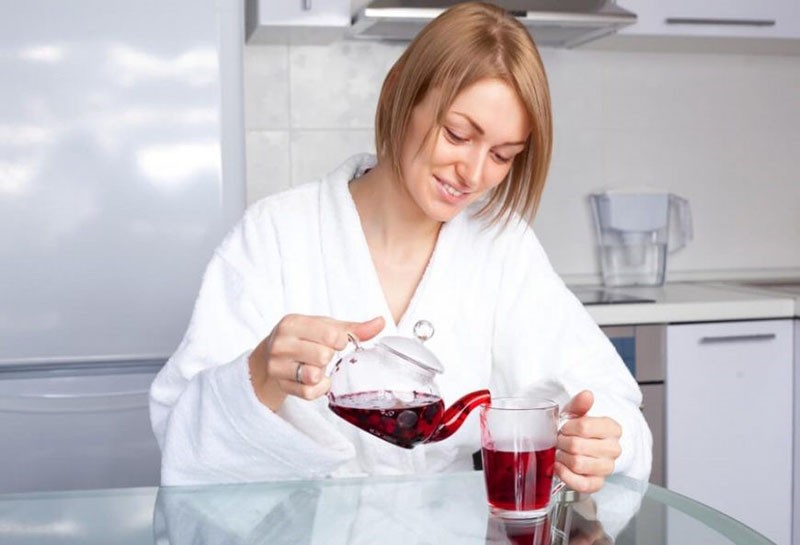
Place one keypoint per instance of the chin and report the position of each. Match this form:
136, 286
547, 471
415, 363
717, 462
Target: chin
443, 214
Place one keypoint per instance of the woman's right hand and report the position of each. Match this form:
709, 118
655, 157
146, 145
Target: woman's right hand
301, 347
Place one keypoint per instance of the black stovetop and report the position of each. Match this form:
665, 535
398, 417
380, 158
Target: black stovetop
608, 297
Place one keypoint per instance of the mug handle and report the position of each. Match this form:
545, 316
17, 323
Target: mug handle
558, 484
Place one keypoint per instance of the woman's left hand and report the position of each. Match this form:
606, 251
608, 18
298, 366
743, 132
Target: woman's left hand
588, 446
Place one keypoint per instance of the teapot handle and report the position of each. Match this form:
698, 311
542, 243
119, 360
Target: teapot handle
353, 339
332, 370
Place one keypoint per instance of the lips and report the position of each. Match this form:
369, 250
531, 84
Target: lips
450, 192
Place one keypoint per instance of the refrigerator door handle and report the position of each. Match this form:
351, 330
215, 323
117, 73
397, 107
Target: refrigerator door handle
74, 403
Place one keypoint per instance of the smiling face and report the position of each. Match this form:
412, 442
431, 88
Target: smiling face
448, 166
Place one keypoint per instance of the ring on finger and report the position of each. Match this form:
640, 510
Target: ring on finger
298, 377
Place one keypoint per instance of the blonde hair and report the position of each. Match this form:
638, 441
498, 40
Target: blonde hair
469, 42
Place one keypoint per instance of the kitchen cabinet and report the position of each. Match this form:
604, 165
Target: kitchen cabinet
729, 421
714, 18
304, 21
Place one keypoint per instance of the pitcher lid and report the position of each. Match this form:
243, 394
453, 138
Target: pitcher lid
413, 350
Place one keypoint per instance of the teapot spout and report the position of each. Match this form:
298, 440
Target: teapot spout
455, 415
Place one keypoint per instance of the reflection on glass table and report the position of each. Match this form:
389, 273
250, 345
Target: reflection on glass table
410, 510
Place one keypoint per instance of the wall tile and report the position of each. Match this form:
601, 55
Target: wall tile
720, 92
337, 86
266, 87
577, 87
648, 91
268, 166
764, 93
315, 153
564, 222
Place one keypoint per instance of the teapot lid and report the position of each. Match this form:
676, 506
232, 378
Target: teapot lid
412, 350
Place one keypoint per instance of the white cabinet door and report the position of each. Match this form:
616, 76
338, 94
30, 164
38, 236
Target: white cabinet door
729, 420
303, 21
741, 12
714, 18
796, 514
305, 12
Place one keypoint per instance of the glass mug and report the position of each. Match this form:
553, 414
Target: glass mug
518, 448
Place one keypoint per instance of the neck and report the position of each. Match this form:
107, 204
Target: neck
389, 216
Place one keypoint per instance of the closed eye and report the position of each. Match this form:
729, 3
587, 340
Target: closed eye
454, 137
502, 159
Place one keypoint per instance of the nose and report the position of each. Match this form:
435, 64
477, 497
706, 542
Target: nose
470, 167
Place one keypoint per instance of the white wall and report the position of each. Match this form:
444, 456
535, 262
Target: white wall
720, 130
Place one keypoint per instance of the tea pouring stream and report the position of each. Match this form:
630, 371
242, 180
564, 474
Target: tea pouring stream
390, 391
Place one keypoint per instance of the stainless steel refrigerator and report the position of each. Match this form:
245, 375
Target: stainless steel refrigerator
121, 168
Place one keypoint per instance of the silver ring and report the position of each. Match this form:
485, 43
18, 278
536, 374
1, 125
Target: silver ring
297, 377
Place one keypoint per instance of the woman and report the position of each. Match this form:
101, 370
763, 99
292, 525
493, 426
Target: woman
433, 228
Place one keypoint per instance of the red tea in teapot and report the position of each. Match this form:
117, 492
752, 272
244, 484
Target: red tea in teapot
403, 419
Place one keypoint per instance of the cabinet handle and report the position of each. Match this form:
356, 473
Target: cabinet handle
719, 22
738, 338
307, 5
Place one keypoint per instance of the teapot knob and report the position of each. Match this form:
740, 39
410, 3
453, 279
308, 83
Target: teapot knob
423, 330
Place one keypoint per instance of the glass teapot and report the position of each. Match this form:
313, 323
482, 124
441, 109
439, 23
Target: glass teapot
389, 390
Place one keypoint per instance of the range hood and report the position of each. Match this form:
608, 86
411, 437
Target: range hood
552, 23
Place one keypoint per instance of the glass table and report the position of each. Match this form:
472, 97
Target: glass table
411, 510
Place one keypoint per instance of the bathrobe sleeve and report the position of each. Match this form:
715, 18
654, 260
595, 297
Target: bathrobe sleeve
544, 336
205, 415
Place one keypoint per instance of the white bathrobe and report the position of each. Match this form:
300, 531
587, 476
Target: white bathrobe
503, 319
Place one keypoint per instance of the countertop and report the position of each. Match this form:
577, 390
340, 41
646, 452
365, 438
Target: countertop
683, 302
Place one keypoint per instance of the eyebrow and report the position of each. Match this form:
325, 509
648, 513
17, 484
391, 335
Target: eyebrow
481, 131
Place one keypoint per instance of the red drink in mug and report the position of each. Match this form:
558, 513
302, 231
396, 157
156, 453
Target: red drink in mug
518, 439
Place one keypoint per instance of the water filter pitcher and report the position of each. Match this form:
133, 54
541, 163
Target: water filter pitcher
636, 231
